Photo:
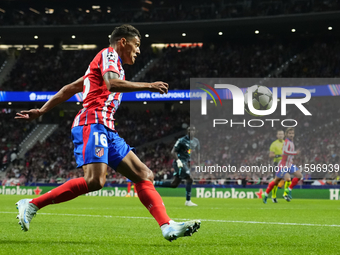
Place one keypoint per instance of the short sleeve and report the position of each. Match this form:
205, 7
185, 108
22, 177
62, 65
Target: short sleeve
109, 62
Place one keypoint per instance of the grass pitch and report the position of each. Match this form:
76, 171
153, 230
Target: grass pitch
113, 225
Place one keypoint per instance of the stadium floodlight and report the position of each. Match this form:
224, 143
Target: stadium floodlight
34, 10
147, 35
184, 34
109, 36
87, 11
293, 30
181, 102
330, 28
9, 103
108, 11
73, 36
145, 102
36, 37
49, 11
257, 31
220, 33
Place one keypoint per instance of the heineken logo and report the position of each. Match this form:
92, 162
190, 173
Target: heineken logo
17, 190
232, 193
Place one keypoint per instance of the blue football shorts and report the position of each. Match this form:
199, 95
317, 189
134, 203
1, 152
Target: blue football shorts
96, 143
283, 170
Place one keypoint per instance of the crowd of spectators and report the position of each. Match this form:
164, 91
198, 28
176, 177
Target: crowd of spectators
321, 59
231, 59
319, 143
53, 160
49, 69
301, 59
12, 132
317, 137
161, 11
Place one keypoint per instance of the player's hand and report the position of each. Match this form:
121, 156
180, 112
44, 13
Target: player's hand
159, 86
28, 115
179, 163
298, 152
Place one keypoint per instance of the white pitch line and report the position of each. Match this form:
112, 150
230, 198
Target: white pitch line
203, 220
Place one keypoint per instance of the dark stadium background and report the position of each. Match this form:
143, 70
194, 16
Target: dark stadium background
293, 39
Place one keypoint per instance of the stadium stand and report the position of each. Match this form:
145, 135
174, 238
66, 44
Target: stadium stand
72, 14
44, 69
11, 134
176, 66
53, 160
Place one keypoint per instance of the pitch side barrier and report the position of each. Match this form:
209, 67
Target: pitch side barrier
172, 95
330, 193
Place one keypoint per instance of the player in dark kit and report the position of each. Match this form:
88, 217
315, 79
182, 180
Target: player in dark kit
182, 151
97, 143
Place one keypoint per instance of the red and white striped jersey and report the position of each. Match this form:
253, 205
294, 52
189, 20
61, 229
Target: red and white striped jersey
288, 152
99, 104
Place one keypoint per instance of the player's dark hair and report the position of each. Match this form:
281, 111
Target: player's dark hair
127, 31
287, 131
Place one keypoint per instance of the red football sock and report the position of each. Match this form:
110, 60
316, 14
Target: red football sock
152, 201
129, 187
294, 182
134, 188
69, 190
270, 187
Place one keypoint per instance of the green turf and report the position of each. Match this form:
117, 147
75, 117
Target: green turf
96, 225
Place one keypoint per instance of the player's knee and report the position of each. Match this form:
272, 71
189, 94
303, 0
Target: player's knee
94, 184
148, 174
175, 184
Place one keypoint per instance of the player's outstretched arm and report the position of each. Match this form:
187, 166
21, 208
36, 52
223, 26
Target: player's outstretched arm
114, 84
63, 95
